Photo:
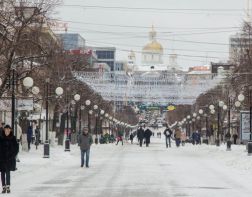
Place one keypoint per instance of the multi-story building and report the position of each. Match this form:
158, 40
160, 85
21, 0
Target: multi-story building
106, 55
240, 44
216, 66
72, 41
120, 65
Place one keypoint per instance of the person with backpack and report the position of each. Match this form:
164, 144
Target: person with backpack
168, 134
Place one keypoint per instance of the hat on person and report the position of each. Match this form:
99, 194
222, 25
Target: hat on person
7, 126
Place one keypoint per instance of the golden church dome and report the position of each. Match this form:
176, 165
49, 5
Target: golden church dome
153, 46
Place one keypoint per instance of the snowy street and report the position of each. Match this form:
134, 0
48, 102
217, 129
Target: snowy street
129, 171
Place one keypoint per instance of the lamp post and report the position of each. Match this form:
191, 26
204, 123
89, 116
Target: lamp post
220, 105
102, 112
110, 128
77, 98
96, 123
189, 126
59, 91
67, 141
82, 107
88, 103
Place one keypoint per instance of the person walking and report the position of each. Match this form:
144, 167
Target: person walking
168, 134
183, 138
140, 135
19, 137
147, 136
131, 138
119, 137
29, 136
85, 142
177, 136
2, 129
235, 136
8, 153
37, 136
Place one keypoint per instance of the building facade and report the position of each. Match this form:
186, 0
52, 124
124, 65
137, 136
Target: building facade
72, 41
106, 55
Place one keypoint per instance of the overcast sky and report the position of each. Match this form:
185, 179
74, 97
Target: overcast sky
178, 27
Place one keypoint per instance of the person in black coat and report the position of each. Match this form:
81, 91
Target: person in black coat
140, 135
147, 135
8, 153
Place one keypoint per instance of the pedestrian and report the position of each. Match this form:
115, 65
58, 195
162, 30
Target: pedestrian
2, 129
194, 138
29, 136
131, 138
183, 138
85, 142
37, 136
18, 137
119, 137
8, 153
147, 136
168, 134
227, 136
235, 136
140, 135
177, 136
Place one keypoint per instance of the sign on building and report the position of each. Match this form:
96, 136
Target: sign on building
25, 104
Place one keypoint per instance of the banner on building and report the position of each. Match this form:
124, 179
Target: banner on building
245, 126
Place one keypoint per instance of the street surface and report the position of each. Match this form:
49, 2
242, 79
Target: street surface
131, 171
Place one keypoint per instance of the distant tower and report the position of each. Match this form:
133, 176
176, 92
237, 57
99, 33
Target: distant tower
173, 64
152, 53
248, 10
131, 61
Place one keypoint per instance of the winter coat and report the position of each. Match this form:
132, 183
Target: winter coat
19, 132
140, 134
147, 135
85, 141
168, 132
131, 136
177, 134
1, 131
183, 136
8, 152
29, 133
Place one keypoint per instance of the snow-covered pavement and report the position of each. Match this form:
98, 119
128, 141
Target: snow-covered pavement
129, 171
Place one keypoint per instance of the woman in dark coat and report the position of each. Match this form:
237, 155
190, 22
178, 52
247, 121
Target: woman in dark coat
8, 153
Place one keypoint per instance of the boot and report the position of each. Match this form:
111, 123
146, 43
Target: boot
4, 190
8, 189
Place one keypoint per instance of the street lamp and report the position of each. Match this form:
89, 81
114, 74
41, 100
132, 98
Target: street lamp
96, 124
82, 107
220, 105
67, 141
102, 112
59, 91
88, 103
